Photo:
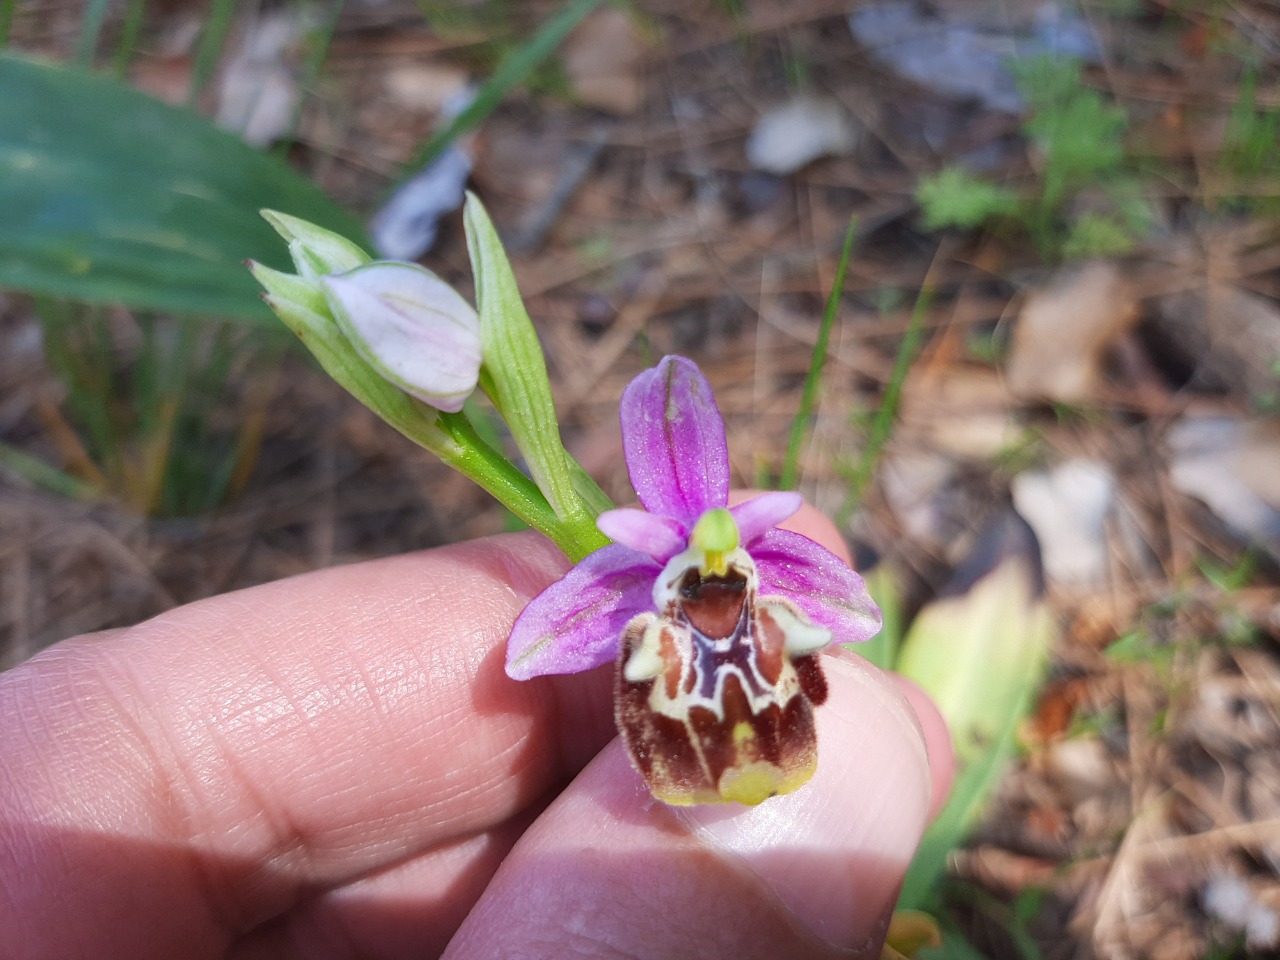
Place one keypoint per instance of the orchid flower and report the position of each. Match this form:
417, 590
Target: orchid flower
712, 614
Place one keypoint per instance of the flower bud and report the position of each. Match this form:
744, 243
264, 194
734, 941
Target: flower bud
411, 327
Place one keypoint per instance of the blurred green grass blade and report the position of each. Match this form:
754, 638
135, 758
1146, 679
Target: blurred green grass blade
6, 20
40, 474
813, 379
882, 425
317, 50
90, 30
134, 14
213, 38
979, 651
112, 197
511, 72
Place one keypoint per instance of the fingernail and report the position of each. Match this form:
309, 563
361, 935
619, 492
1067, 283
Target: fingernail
835, 850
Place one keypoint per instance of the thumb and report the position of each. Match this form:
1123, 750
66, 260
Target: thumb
607, 871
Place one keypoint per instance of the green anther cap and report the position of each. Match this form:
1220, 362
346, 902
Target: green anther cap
715, 536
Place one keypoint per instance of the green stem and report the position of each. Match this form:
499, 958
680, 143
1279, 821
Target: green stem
471, 456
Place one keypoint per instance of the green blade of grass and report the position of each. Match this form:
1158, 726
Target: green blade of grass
317, 50
6, 20
40, 474
132, 27
90, 30
212, 39
813, 379
882, 425
513, 70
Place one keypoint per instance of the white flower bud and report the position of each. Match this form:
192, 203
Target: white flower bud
411, 327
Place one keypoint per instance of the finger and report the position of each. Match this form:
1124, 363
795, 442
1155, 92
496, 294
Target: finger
409, 910
238, 754
937, 740
233, 756
608, 872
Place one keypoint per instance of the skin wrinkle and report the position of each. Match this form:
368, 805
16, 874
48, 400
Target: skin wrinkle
99, 680
292, 846
205, 825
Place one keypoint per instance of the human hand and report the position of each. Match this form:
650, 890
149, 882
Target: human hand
336, 765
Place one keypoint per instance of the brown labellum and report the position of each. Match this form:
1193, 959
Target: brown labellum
715, 694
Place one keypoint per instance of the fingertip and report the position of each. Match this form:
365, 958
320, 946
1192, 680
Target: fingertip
835, 850
937, 740
810, 874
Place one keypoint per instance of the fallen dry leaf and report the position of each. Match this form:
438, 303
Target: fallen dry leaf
1063, 333
258, 94
964, 411
604, 61
424, 87
1227, 338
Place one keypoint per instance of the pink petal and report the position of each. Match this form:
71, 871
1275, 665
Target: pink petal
658, 537
411, 327
575, 623
759, 514
818, 582
673, 438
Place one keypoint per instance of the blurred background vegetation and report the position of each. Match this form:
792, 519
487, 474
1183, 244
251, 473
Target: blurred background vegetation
1041, 401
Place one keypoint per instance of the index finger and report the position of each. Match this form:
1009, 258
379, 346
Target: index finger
245, 750
289, 737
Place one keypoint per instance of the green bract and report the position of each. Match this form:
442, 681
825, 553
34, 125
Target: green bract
515, 376
412, 350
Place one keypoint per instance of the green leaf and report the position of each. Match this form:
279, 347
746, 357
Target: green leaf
112, 197
979, 651
1096, 235
955, 198
882, 649
514, 376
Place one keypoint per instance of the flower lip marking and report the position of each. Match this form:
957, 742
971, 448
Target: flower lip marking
712, 615
715, 604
